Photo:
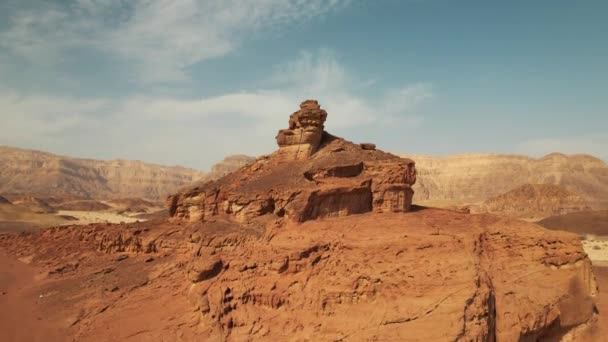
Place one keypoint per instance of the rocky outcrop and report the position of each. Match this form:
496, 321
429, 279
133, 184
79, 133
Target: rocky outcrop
474, 178
309, 177
535, 201
4, 200
391, 277
426, 275
305, 132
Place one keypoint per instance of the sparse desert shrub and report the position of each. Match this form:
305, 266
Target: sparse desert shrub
597, 247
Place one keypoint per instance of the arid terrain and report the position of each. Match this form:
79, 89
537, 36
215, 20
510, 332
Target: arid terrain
41, 191
45, 174
320, 240
474, 178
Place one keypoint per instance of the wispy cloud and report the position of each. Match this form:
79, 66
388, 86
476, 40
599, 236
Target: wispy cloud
158, 39
317, 75
175, 130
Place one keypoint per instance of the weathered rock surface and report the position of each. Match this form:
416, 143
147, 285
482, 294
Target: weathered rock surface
305, 132
473, 178
535, 201
323, 177
425, 276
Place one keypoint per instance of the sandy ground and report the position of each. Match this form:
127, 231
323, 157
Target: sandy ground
597, 249
86, 217
21, 317
15, 218
37, 307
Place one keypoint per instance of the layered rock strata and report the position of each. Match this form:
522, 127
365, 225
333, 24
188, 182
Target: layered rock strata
305, 131
312, 175
534, 201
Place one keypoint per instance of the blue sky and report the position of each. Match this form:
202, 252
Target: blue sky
188, 82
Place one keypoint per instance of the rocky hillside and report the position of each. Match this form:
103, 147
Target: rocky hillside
45, 174
535, 201
473, 178
312, 175
228, 165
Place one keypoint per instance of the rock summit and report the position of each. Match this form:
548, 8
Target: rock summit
312, 175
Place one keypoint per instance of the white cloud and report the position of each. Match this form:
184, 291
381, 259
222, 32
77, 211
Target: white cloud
26, 118
594, 144
157, 38
198, 131
312, 75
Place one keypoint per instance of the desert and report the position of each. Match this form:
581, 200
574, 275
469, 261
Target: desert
289, 170
320, 240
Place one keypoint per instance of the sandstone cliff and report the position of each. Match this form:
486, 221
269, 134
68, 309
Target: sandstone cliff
46, 174
472, 178
535, 201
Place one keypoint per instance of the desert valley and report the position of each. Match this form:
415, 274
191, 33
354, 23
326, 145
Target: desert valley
323, 239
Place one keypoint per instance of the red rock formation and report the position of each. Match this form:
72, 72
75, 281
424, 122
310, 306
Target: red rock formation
305, 131
426, 276
312, 175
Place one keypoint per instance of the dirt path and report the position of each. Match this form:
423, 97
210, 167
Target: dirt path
20, 314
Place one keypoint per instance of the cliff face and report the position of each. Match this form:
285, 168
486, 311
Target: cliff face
45, 174
476, 177
535, 201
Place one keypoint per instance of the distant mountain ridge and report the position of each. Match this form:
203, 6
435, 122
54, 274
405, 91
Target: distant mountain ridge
535, 201
464, 178
473, 178
40, 173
